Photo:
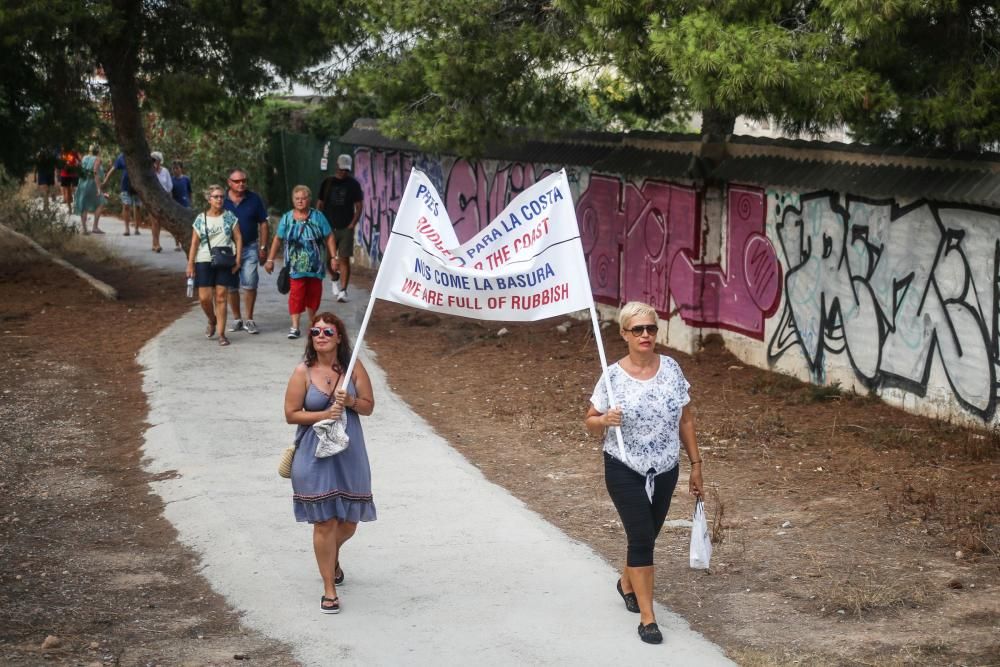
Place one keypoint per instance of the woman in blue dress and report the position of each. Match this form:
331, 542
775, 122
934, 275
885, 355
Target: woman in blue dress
333, 493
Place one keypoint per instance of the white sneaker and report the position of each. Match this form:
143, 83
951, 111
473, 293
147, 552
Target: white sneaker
250, 326
294, 333
335, 289
342, 296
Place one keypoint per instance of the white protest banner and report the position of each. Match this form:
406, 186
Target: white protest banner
528, 264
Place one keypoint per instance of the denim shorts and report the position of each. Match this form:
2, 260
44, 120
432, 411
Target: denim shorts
206, 275
249, 262
130, 199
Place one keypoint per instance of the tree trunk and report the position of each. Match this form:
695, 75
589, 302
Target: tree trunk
716, 125
119, 58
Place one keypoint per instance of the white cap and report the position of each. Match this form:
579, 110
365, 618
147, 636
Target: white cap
344, 162
157, 155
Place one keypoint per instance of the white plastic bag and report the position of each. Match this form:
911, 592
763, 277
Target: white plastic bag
332, 435
701, 541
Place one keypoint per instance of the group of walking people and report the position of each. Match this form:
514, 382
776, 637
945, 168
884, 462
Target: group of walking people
314, 241
648, 399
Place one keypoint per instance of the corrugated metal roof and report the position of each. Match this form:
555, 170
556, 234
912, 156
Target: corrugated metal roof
365, 136
551, 152
632, 161
965, 186
612, 153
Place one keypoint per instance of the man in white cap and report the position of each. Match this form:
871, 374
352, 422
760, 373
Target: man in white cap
341, 201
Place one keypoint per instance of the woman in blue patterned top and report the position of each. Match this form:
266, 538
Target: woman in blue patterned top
650, 404
309, 249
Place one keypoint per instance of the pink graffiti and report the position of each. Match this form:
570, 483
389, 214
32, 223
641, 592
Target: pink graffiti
383, 177
644, 243
474, 195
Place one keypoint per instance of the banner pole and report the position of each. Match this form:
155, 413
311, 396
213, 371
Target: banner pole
364, 321
371, 299
607, 380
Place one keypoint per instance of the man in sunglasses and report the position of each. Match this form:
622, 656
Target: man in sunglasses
249, 209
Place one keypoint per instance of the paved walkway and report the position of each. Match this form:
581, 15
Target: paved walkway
455, 570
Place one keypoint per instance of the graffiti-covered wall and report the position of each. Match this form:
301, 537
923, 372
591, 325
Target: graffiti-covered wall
899, 298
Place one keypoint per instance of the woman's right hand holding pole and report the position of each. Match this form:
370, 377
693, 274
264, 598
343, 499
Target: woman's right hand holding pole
612, 417
335, 410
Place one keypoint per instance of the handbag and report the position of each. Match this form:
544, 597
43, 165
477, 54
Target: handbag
285, 462
701, 541
223, 257
284, 280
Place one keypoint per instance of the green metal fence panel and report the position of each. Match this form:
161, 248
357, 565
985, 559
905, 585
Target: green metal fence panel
299, 159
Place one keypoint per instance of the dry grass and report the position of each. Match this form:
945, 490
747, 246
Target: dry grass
718, 514
864, 592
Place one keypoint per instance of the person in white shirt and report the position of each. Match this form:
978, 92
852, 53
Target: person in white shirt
650, 404
167, 183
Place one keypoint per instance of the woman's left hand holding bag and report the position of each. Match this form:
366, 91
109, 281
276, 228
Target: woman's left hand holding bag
695, 484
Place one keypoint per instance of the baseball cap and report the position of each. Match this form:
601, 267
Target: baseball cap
344, 162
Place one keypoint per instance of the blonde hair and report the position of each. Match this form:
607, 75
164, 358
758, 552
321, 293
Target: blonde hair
302, 188
634, 309
212, 188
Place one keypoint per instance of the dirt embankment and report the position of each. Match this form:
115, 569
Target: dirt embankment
86, 556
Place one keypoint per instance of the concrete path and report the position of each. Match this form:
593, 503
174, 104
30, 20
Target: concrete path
455, 570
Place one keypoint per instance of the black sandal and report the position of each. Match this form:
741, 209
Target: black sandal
631, 601
334, 605
338, 579
650, 633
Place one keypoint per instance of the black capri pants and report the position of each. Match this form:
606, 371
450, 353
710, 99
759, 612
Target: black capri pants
642, 520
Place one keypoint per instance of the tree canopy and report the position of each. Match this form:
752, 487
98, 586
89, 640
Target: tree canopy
196, 60
456, 73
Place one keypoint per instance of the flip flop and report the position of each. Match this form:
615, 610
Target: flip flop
210, 330
97, 231
329, 605
223, 341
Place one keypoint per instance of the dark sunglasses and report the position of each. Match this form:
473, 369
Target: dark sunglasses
651, 329
326, 331
237, 180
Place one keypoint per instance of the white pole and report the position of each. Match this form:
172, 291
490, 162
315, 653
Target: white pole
364, 320
607, 380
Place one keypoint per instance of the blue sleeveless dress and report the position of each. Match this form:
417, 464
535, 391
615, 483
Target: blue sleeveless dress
335, 487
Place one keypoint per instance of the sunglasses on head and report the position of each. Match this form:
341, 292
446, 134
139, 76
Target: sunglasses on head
637, 330
326, 331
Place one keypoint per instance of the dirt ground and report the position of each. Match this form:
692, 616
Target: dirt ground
847, 532
86, 556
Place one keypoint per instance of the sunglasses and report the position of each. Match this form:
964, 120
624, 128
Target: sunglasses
216, 197
326, 331
237, 180
638, 330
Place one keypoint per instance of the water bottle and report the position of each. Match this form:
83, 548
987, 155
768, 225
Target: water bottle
190, 289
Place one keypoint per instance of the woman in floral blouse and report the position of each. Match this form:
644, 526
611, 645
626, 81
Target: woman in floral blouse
650, 405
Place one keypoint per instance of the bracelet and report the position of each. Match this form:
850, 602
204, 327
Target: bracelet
694, 463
